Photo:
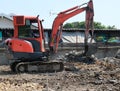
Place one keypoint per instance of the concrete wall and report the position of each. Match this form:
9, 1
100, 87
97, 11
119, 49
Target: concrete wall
3, 58
106, 52
101, 53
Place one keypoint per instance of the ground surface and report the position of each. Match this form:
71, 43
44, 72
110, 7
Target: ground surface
103, 75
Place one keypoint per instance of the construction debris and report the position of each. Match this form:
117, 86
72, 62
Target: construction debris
102, 75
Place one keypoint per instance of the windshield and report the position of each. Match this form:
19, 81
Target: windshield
29, 30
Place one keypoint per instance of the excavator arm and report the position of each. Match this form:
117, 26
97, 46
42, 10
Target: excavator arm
89, 25
63, 16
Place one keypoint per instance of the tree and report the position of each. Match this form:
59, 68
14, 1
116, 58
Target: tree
75, 25
97, 25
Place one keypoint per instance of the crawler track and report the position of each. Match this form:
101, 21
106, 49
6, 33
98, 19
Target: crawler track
37, 66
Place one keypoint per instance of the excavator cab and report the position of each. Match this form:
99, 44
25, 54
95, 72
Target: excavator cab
30, 29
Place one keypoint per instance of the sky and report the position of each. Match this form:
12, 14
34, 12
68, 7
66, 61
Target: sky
106, 11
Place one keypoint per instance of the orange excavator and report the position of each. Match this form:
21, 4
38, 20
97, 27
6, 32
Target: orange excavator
26, 49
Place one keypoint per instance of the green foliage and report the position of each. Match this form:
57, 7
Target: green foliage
111, 27
75, 25
97, 25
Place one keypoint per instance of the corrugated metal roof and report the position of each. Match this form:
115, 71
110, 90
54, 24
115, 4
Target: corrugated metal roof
10, 17
74, 30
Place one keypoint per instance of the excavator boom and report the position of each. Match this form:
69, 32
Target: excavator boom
63, 16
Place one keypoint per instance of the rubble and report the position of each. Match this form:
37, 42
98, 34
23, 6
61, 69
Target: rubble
102, 75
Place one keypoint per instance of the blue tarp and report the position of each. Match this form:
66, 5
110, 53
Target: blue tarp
0, 35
